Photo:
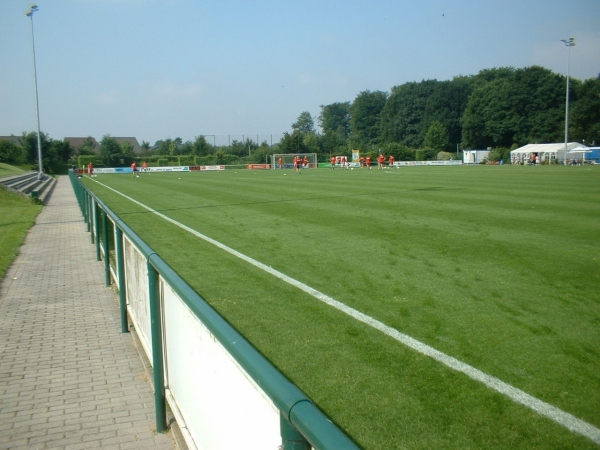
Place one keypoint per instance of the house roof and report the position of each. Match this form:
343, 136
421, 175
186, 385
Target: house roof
136, 145
14, 139
77, 142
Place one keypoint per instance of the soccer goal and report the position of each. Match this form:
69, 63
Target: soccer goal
286, 160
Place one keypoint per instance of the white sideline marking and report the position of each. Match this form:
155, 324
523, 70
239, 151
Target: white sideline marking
545, 409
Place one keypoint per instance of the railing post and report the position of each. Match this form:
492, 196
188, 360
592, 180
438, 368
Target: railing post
105, 248
96, 229
81, 192
291, 439
121, 276
86, 202
157, 350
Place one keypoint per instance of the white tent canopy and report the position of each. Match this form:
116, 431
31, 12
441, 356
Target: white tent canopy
546, 152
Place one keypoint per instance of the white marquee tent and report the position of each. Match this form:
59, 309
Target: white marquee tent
546, 152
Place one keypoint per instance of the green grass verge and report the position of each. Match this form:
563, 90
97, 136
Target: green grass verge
496, 266
8, 170
18, 216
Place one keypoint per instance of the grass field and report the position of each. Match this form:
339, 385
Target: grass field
496, 266
18, 214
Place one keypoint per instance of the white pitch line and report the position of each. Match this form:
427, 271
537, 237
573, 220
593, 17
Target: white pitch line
545, 409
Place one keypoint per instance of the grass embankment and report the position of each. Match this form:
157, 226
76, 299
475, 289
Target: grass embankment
7, 170
18, 215
496, 266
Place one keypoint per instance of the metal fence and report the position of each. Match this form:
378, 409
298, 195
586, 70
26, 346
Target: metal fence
223, 392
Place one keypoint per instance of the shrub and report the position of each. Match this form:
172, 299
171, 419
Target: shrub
186, 160
444, 156
84, 160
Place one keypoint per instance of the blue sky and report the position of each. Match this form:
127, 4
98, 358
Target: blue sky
180, 68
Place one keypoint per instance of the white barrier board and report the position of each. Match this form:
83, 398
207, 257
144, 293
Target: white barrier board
220, 404
136, 288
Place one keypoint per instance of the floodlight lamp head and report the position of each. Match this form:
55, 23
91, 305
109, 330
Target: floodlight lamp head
570, 42
32, 8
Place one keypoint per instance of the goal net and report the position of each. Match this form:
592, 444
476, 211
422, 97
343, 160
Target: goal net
286, 160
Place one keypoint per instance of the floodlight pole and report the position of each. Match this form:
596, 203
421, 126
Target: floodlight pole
29, 14
570, 42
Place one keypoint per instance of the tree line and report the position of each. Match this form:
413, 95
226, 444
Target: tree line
500, 108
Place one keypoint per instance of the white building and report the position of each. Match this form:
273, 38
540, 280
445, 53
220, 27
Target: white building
474, 156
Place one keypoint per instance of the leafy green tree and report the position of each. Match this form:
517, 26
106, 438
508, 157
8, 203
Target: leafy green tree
437, 137
335, 118
490, 119
335, 123
55, 154
145, 146
311, 143
201, 147
30, 147
187, 148
237, 148
110, 152
162, 146
243, 148
515, 107
364, 118
400, 151
292, 143
412, 107
333, 143
220, 157
88, 147
127, 149
446, 105
486, 75
365, 112
403, 118
11, 153
540, 100
261, 154
250, 146
499, 153
304, 124
56, 157
585, 112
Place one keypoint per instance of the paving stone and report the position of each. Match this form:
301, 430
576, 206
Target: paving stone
69, 378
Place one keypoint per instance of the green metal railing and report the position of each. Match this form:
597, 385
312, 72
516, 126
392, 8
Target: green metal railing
302, 424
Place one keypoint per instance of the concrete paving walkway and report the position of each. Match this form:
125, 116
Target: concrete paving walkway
68, 377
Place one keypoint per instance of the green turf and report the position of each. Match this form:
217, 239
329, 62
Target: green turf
18, 214
8, 170
496, 266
